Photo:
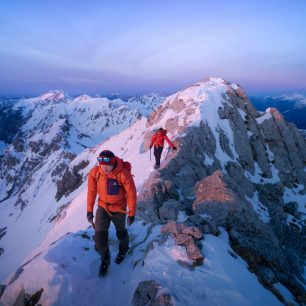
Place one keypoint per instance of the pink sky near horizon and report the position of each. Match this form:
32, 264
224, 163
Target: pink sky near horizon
153, 46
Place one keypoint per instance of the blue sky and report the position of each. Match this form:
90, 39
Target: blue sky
151, 46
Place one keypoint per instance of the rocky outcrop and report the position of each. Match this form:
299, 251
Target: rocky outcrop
224, 168
288, 148
263, 246
154, 194
186, 236
2, 288
70, 181
148, 293
170, 210
28, 299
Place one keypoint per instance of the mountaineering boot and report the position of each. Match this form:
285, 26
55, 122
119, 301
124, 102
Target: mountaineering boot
120, 256
156, 166
105, 261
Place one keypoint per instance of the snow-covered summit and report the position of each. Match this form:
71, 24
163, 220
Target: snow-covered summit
82, 98
54, 96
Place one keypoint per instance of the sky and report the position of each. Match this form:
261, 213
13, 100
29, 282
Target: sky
127, 47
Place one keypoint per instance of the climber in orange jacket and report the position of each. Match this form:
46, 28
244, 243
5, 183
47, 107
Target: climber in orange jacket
114, 184
157, 141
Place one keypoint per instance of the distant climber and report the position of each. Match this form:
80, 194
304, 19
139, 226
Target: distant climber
157, 141
113, 182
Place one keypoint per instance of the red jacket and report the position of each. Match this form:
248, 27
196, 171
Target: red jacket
159, 138
116, 190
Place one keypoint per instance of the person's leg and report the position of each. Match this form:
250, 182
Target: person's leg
101, 231
157, 153
122, 234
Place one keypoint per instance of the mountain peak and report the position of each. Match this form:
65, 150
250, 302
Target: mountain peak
54, 96
82, 98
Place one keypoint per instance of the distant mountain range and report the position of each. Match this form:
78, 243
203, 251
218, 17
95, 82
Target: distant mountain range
99, 114
293, 107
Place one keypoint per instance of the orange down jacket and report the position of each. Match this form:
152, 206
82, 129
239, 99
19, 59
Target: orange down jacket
159, 138
116, 190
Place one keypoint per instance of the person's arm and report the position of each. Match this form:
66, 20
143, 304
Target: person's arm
130, 191
92, 190
169, 142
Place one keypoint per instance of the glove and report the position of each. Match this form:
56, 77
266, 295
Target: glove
130, 220
151, 147
174, 148
90, 217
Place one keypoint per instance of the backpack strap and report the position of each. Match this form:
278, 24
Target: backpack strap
97, 175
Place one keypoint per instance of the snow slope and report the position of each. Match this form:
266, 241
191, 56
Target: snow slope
70, 263
58, 128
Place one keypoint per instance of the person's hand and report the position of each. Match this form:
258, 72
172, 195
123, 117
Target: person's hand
90, 217
130, 220
150, 147
174, 148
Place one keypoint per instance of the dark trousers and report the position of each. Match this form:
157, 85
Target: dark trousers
103, 220
157, 153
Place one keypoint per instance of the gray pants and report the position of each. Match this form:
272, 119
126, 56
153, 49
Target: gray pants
102, 224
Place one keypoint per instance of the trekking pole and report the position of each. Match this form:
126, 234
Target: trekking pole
93, 225
150, 154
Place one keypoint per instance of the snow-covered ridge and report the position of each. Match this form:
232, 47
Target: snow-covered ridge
54, 134
215, 129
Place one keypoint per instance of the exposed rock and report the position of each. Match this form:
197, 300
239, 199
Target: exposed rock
260, 244
59, 169
224, 143
25, 299
184, 235
2, 288
69, 182
195, 232
173, 228
212, 189
164, 299
153, 195
205, 223
267, 274
146, 294
83, 164
3, 231
237, 181
169, 210
290, 208
18, 144
60, 213
288, 155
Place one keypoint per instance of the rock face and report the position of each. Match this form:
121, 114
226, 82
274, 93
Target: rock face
147, 294
187, 237
292, 107
24, 298
235, 165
